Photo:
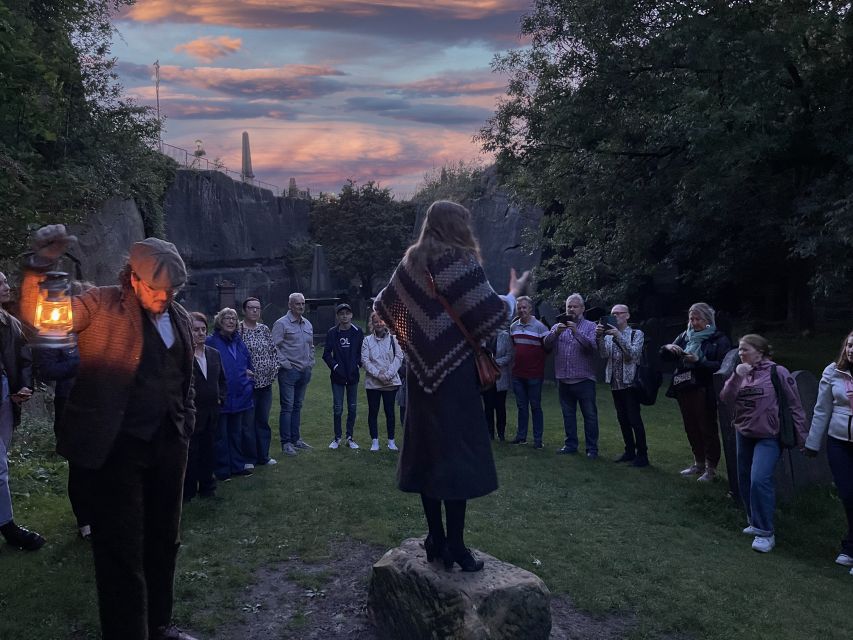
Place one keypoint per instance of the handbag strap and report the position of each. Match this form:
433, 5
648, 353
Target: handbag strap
453, 315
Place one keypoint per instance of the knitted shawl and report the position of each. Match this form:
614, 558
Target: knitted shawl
433, 344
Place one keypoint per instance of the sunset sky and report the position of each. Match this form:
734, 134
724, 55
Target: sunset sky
327, 89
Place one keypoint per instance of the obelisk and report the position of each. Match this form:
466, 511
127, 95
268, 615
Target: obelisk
247, 158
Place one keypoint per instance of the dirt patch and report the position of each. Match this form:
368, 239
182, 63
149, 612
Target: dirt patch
322, 600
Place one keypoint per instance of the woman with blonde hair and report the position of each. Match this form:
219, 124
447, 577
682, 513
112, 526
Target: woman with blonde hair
437, 295
752, 393
699, 351
833, 417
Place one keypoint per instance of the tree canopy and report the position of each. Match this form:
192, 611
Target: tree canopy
710, 137
68, 138
364, 231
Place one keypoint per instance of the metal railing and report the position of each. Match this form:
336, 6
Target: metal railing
190, 160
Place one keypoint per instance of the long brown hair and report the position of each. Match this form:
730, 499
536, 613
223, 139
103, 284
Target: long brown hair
843, 364
446, 226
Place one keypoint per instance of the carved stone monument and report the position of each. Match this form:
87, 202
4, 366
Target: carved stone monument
413, 599
246, 172
320, 299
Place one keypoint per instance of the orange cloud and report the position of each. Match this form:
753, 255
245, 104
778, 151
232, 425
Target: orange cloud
255, 13
209, 48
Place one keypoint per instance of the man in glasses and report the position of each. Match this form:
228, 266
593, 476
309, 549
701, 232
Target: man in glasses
129, 419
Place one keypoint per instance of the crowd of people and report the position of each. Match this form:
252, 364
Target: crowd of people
154, 409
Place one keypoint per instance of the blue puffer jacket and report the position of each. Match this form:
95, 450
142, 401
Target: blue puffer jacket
235, 362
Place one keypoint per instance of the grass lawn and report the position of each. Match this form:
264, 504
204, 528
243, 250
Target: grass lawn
615, 538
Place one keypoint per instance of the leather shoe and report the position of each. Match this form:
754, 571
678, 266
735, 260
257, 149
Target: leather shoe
24, 539
565, 451
172, 633
463, 557
518, 441
434, 549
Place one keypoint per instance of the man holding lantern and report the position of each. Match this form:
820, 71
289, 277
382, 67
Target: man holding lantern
128, 419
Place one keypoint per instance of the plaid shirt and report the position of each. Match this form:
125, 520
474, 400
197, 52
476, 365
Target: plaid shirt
576, 352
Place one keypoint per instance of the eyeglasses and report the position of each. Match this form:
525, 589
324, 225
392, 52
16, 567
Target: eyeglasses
152, 290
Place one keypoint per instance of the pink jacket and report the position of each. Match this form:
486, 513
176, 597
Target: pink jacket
754, 406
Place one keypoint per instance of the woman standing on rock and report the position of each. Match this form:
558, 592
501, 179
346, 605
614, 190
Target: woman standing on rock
446, 454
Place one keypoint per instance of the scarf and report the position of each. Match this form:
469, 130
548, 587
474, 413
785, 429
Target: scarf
696, 338
433, 344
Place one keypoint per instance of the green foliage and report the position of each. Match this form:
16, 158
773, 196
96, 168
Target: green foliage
364, 231
710, 137
460, 182
68, 139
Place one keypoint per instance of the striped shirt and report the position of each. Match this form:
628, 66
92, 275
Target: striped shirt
530, 351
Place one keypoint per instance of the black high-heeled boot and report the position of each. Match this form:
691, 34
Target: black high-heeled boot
434, 548
463, 557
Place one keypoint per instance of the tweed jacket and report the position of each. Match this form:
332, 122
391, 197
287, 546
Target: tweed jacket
16, 358
108, 323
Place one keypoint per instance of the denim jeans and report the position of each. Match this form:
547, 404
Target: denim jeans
291, 388
571, 395
258, 431
840, 455
338, 406
6, 421
387, 398
756, 464
528, 392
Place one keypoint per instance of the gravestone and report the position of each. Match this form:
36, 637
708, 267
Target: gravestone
320, 299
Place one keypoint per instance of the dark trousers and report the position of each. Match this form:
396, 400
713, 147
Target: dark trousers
201, 462
630, 421
494, 402
388, 399
136, 532
699, 412
230, 438
583, 394
79, 479
840, 455
258, 434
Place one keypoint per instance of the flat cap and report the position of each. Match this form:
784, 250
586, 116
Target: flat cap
158, 264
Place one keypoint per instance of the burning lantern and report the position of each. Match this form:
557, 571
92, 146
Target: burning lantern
53, 313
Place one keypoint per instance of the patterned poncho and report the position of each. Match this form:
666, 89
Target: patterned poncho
433, 343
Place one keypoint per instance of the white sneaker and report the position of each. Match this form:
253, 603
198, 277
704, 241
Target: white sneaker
851, 572
751, 531
352, 444
844, 560
374, 446
271, 462
248, 466
334, 443
392, 445
764, 544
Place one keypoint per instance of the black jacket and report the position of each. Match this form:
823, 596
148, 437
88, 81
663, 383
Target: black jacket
713, 350
342, 359
15, 358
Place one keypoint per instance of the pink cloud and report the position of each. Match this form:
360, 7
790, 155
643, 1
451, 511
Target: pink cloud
291, 82
209, 48
437, 20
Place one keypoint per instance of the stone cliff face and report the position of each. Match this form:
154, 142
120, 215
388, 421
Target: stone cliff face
499, 224
228, 230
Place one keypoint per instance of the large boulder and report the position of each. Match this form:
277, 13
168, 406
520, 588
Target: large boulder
413, 599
